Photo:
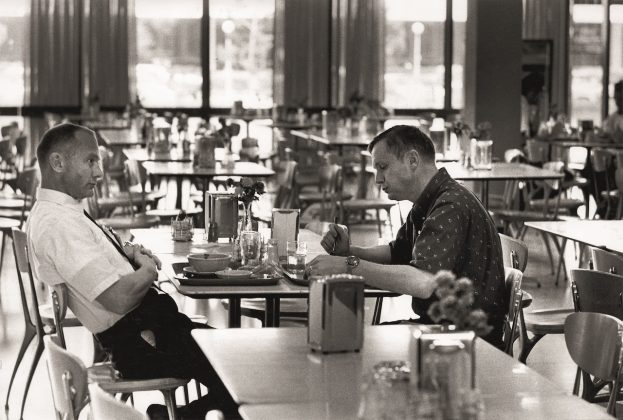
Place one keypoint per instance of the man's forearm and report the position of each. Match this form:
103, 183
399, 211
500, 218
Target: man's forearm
128, 291
403, 279
377, 254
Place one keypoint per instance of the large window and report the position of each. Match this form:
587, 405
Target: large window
586, 62
415, 41
616, 50
13, 24
241, 53
168, 70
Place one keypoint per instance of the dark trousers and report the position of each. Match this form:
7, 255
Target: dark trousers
176, 354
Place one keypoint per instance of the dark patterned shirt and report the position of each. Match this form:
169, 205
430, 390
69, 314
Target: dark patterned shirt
449, 229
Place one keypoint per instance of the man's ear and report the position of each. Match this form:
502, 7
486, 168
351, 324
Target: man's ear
57, 162
413, 158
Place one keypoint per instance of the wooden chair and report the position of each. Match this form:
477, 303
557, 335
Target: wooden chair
360, 204
602, 161
106, 407
606, 262
166, 386
68, 378
595, 291
38, 319
513, 288
586, 331
136, 175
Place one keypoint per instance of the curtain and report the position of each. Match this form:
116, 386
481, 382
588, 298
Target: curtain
301, 73
358, 50
549, 20
53, 66
106, 63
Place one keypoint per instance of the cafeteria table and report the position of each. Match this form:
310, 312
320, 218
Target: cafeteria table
159, 241
272, 373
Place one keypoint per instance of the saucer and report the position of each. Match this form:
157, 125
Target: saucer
233, 274
189, 271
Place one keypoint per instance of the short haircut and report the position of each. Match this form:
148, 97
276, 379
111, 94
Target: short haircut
402, 138
56, 139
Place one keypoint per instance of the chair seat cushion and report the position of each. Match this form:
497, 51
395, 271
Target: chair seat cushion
547, 321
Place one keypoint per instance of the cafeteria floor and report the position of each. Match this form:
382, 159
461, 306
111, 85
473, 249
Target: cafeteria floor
549, 357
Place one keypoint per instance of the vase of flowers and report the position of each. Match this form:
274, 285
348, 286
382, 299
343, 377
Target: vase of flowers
247, 191
455, 305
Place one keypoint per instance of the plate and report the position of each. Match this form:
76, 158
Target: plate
190, 272
233, 274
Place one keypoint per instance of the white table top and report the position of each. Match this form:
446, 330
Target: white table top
186, 169
501, 171
120, 137
275, 366
604, 234
525, 405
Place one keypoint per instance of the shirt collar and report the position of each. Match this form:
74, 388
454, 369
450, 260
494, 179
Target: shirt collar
57, 197
427, 198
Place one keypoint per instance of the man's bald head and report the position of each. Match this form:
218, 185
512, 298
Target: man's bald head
61, 139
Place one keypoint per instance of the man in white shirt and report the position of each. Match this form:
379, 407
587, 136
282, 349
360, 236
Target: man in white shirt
109, 284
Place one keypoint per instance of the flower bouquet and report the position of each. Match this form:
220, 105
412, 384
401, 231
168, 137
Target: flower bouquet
455, 304
247, 191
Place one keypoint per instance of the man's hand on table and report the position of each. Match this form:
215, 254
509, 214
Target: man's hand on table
324, 265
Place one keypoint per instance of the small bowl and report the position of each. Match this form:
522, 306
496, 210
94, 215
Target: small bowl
209, 263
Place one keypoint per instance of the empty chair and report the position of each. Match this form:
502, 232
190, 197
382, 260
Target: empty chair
68, 378
596, 291
607, 262
587, 331
105, 407
511, 322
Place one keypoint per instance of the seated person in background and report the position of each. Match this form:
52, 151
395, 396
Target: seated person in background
447, 229
110, 284
613, 125
531, 93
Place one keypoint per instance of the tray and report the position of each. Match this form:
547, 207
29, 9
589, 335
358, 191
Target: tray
216, 281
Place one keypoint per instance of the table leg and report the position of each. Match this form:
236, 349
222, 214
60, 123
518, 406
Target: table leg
178, 199
271, 315
233, 317
485, 194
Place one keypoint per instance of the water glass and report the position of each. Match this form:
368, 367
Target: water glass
272, 251
250, 247
481, 154
297, 254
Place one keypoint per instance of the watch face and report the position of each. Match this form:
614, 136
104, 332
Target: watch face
352, 261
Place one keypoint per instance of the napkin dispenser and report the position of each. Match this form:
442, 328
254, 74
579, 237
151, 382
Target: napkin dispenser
335, 313
285, 227
221, 215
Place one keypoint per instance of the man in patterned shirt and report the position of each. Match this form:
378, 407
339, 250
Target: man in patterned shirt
447, 229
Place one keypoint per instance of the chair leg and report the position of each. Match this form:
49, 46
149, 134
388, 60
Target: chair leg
576, 382
169, 400
198, 387
186, 398
2, 316
378, 308
549, 250
29, 334
31, 372
561, 259
527, 347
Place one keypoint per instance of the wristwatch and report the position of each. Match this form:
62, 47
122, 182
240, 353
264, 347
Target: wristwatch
352, 262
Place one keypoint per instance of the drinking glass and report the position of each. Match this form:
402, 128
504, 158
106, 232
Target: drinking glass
297, 253
250, 247
481, 154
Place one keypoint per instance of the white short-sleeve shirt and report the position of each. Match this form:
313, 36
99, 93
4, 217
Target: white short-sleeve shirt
64, 246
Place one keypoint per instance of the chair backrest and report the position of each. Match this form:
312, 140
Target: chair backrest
600, 159
68, 377
513, 279
30, 308
105, 407
585, 332
58, 295
287, 188
595, 291
514, 252
606, 262
537, 151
